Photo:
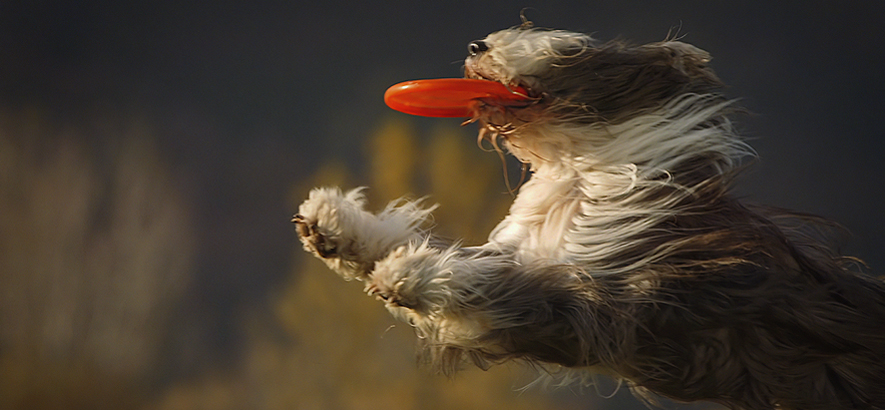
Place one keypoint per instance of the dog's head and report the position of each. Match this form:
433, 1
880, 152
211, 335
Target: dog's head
572, 76
583, 93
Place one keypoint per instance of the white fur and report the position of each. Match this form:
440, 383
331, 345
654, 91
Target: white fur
589, 180
359, 237
516, 55
424, 286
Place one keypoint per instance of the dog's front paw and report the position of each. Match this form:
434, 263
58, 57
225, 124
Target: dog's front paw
335, 227
313, 239
436, 290
332, 225
414, 277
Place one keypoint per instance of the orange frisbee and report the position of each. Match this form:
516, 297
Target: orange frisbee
447, 97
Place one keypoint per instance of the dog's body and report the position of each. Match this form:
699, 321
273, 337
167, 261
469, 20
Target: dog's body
623, 253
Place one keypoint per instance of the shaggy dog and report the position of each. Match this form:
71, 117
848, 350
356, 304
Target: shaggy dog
624, 252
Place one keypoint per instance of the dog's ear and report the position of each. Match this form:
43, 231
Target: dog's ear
616, 80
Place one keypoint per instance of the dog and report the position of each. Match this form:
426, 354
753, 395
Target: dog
624, 253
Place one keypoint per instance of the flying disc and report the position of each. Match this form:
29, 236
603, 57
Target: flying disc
447, 97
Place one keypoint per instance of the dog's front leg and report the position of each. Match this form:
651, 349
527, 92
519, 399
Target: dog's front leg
335, 227
439, 291
484, 307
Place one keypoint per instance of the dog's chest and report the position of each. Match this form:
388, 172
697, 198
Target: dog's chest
540, 221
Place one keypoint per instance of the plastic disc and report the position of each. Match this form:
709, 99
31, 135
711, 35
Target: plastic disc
446, 97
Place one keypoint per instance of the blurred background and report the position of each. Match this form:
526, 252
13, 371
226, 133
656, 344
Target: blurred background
153, 152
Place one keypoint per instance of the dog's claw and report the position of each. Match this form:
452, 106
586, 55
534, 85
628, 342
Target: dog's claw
300, 226
386, 296
310, 235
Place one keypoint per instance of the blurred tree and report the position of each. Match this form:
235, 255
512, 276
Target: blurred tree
95, 244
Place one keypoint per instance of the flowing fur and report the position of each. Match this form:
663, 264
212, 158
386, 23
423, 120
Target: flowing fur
624, 253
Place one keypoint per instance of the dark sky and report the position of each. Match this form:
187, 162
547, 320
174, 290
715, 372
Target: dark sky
247, 97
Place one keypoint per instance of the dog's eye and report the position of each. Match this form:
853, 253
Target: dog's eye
477, 47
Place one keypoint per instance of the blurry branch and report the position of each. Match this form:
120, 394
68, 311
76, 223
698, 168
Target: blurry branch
95, 244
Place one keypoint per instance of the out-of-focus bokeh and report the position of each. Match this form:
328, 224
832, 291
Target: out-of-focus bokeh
152, 153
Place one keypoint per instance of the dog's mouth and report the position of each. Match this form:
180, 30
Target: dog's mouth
473, 71
477, 75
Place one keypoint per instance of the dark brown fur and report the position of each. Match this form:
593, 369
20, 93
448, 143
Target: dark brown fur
617, 81
746, 314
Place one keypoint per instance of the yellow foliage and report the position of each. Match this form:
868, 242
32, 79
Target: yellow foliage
213, 391
394, 155
467, 183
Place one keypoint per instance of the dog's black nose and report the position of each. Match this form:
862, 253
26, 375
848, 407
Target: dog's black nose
477, 47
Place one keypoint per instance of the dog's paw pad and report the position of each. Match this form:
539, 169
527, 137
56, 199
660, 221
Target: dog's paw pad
313, 239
